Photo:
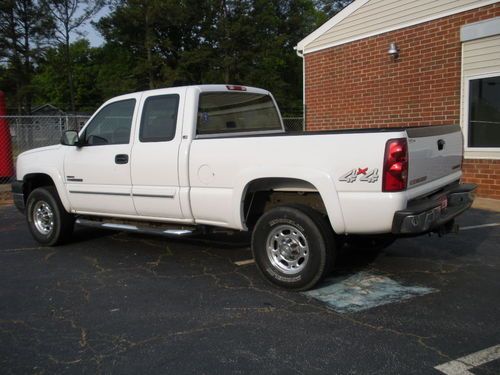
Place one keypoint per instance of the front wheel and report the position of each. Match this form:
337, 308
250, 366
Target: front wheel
293, 246
48, 221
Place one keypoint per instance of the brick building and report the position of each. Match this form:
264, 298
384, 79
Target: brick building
388, 63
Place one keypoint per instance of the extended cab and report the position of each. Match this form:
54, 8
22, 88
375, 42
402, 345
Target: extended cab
171, 161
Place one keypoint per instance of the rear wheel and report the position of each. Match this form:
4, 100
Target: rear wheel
48, 221
293, 246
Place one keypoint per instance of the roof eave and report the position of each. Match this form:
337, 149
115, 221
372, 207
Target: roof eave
344, 13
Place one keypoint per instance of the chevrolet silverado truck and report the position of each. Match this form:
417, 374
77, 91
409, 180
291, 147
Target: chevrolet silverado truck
179, 160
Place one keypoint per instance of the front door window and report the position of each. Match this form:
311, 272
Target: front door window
111, 126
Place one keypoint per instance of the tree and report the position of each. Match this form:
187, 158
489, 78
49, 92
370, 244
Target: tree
51, 80
331, 7
115, 67
156, 43
156, 33
214, 41
132, 26
23, 38
69, 16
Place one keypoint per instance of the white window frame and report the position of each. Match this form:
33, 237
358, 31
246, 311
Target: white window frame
475, 152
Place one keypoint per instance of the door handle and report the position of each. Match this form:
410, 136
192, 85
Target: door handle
121, 159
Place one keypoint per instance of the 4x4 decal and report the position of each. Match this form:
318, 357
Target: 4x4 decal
360, 174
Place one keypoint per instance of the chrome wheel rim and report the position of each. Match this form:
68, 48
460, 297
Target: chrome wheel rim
43, 217
287, 249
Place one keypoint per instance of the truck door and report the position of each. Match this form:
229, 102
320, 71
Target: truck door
97, 174
155, 177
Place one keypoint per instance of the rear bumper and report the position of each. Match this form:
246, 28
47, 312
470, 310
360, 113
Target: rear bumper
18, 195
432, 214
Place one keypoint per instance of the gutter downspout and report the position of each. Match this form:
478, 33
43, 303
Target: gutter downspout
300, 53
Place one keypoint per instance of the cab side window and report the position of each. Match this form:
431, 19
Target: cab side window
112, 125
159, 118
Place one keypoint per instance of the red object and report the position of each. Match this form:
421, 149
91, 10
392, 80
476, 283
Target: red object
362, 171
236, 88
6, 166
395, 174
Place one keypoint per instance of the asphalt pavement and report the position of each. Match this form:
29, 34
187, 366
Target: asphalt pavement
116, 303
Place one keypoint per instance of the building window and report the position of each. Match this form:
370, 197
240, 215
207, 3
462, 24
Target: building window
484, 113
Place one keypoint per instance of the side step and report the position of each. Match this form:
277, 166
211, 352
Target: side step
133, 228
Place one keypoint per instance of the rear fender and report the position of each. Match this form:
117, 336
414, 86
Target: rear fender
319, 179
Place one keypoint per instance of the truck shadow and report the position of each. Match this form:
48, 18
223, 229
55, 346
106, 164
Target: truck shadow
404, 252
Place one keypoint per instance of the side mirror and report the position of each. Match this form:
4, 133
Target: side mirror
70, 138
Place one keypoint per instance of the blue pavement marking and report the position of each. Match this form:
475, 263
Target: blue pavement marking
363, 291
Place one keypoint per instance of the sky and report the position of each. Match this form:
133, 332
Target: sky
90, 32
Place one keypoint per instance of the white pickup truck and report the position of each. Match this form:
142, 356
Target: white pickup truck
175, 160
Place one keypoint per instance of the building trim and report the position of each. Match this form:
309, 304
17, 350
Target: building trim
302, 45
340, 16
490, 153
478, 30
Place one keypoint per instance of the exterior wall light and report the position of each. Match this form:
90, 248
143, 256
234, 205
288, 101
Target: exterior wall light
393, 51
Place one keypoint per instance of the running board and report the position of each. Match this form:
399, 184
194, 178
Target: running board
171, 232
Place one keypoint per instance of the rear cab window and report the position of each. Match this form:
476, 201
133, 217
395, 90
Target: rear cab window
159, 118
222, 113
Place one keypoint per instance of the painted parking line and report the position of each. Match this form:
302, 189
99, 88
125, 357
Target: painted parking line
363, 291
244, 262
480, 226
461, 366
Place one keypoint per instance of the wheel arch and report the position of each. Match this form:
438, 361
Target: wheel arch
318, 185
34, 180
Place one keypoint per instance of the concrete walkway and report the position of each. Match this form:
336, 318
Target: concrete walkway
487, 204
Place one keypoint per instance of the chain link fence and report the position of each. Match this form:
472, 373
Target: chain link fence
293, 124
22, 133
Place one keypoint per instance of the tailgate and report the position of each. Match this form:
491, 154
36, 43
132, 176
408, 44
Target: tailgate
434, 152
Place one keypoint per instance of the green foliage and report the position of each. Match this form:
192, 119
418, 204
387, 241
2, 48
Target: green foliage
51, 80
332, 7
23, 37
212, 41
161, 43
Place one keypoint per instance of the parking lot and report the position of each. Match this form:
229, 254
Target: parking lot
111, 302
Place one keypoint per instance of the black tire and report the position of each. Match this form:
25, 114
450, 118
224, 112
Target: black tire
369, 244
313, 232
61, 222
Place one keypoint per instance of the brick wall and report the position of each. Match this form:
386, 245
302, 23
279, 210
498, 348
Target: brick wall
358, 85
484, 173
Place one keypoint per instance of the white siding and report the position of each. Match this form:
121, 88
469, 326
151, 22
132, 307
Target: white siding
379, 16
480, 58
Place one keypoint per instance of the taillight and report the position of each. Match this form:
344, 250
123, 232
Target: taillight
395, 175
236, 88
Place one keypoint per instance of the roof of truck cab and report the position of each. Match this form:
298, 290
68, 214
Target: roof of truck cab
201, 88
179, 89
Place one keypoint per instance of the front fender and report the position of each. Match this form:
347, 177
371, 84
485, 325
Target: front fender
319, 179
49, 163
58, 182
